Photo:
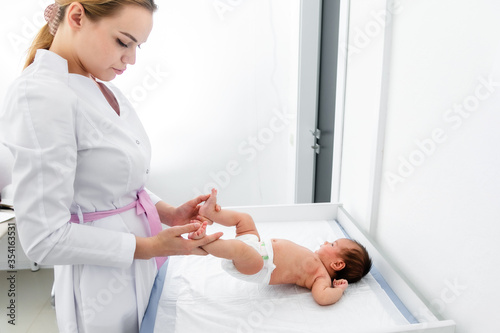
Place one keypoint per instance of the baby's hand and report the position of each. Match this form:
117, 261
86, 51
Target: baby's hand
201, 232
342, 284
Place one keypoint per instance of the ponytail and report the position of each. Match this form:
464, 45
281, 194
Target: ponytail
43, 40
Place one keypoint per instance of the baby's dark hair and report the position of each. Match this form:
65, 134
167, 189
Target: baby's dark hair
357, 263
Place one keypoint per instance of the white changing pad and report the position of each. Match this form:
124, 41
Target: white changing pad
198, 296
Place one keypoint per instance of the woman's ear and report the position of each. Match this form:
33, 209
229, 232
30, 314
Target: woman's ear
337, 265
74, 15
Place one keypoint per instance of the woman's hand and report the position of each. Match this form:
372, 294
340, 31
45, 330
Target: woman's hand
170, 242
175, 216
188, 211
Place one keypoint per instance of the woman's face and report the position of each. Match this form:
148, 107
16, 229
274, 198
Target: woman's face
105, 48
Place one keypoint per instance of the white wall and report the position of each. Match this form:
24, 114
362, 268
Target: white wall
438, 213
362, 102
223, 110
216, 88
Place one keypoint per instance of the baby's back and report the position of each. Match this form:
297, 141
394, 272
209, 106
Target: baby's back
295, 264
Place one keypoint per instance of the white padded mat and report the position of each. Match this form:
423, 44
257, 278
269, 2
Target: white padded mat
198, 296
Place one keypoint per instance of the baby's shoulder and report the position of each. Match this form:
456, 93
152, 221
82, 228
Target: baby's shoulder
316, 274
313, 266
322, 278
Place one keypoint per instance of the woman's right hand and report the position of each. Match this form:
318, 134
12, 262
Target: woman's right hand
169, 242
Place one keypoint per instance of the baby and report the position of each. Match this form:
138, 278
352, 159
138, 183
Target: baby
325, 272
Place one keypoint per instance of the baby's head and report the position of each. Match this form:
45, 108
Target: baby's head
347, 258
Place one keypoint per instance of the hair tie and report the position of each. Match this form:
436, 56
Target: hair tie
52, 15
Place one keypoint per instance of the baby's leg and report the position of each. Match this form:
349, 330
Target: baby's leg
243, 222
245, 258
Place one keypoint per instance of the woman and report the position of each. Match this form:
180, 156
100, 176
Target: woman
81, 161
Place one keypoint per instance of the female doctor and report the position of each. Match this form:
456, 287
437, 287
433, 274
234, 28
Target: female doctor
81, 159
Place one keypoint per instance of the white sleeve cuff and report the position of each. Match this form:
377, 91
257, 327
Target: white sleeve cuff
153, 197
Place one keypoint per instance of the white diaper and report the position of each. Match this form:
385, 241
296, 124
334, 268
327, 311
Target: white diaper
265, 248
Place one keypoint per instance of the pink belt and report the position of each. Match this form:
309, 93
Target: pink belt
143, 205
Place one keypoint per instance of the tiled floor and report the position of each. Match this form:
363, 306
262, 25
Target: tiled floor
33, 311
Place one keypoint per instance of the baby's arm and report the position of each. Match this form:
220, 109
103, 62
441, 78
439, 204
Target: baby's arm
323, 292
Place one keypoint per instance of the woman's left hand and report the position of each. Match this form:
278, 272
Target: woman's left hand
188, 211
183, 214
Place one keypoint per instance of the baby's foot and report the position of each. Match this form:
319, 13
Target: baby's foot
208, 209
200, 233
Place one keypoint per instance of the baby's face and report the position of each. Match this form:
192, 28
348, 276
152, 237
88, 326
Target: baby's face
333, 250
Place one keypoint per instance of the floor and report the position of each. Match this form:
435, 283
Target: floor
33, 309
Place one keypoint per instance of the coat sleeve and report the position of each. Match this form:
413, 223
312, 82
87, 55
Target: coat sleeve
154, 198
38, 126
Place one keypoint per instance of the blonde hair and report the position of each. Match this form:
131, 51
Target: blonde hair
94, 10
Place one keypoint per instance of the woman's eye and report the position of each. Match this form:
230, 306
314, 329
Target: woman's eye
122, 44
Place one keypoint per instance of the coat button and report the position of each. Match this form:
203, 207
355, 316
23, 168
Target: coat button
138, 142
147, 171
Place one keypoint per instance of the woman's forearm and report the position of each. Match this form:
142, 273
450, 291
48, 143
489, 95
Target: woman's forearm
166, 212
144, 248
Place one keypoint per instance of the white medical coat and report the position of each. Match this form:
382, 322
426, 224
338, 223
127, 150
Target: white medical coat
73, 152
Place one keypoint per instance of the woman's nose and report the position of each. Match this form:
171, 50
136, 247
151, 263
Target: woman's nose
129, 57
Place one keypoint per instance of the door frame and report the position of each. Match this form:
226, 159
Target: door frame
307, 104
